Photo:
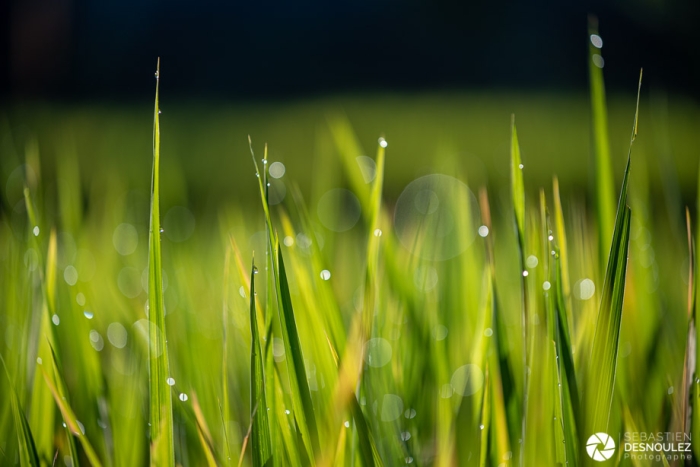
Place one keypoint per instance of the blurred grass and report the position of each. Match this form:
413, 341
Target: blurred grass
386, 324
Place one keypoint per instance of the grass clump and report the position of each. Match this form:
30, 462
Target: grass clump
432, 328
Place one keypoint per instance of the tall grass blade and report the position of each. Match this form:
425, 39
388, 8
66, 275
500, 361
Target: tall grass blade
161, 410
518, 199
260, 434
60, 396
28, 455
300, 393
603, 357
604, 184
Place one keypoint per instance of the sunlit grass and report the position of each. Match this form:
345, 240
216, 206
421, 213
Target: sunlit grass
430, 328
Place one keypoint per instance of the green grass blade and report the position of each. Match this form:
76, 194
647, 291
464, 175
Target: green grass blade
28, 455
300, 393
60, 396
161, 410
262, 451
518, 199
301, 396
603, 359
604, 184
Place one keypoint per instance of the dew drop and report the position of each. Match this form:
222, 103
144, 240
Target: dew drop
383, 143
377, 232
56, 320
325, 274
88, 314
597, 41
36, 230
481, 427
183, 397
546, 285
483, 231
488, 332
525, 273
39, 361
347, 424
170, 381
255, 269
551, 237
521, 166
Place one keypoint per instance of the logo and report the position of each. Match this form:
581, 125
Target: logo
600, 447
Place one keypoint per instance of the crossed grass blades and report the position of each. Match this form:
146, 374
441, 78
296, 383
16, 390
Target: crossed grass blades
341, 348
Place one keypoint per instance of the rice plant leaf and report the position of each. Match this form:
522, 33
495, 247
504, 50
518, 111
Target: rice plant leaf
59, 394
300, 393
28, 455
604, 184
603, 359
301, 396
260, 433
203, 432
368, 449
517, 185
161, 410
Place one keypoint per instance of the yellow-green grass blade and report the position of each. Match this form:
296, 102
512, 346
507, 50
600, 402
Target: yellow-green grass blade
604, 184
203, 433
28, 455
58, 390
260, 434
570, 402
603, 357
368, 449
160, 408
560, 237
300, 394
518, 200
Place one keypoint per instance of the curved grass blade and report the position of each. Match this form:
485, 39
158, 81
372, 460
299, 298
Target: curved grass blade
59, 394
28, 455
604, 195
161, 410
518, 198
603, 359
260, 433
300, 393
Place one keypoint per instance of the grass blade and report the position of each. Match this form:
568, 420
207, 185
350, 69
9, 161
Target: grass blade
603, 359
260, 433
28, 455
59, 394
161, 410
300, 393
604, 195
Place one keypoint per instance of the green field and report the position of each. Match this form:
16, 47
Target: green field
418, 296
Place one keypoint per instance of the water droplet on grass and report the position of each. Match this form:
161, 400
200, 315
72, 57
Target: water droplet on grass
383, 143
170, 381
483, 231
36, 230
183, 397
88, 314
325, 274
55, 320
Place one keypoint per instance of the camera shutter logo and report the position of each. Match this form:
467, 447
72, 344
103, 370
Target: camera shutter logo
600, 447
